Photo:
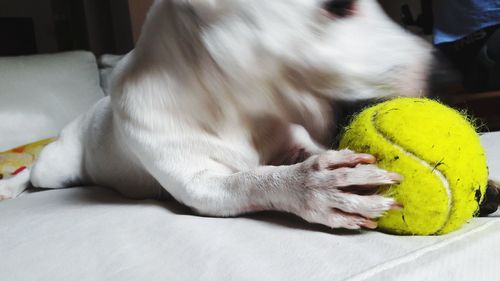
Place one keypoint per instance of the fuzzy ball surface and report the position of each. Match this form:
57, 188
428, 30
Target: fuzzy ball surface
438, 152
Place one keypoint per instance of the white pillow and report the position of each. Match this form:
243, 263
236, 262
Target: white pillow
40, 94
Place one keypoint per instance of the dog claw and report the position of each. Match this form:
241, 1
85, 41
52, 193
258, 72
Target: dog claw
369, 224
396, 206
365, 159
396, 177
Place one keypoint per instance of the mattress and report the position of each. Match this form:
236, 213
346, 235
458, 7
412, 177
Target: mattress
91, 233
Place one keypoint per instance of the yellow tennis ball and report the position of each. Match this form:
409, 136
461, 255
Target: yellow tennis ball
436, 150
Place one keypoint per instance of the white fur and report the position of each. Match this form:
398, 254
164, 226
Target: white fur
217, 90
14, 186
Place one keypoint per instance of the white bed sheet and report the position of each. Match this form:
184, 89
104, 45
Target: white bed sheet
94, 234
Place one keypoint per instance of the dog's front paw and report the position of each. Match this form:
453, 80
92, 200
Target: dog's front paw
5, 191
12, 187
340, 190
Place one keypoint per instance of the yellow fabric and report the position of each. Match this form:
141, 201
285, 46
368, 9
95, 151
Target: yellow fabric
405, 132
20, 157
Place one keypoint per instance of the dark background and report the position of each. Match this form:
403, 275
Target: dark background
47, 26
101, 26
112, 27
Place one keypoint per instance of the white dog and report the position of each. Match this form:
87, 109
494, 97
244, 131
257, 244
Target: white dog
226, 106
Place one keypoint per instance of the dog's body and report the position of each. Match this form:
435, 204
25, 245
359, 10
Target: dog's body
226, 106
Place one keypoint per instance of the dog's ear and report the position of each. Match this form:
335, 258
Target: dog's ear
209, 10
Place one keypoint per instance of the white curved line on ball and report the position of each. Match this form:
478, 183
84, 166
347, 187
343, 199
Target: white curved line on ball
434, 170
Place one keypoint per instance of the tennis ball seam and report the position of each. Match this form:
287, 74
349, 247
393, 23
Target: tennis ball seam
434, 170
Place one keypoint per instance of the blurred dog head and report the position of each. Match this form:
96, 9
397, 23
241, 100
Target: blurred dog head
344, 49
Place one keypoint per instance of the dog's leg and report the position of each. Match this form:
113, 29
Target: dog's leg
301, 147
12, 187
57, 166
325, 189
60, 164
